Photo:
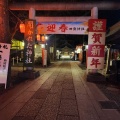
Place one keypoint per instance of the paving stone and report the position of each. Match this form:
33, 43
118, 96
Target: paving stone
31, 108
10, 110
57, 83
68, 94
56, 99
70, 78
68, 81
88, 115
23, 118
52, 99
34, 87
78, 84
76, 78
68, 72
68, 86
68, 102
47, 113
56, 89
41, 94
84, 104
25, 96
46, 86
58, 79
61, 74
80, 90
62, 117
82, 97
68, 110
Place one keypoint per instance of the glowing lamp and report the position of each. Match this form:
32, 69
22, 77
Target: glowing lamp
43, 38
22, 28
38, 37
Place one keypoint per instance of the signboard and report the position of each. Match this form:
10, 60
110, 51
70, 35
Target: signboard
62, 28
96, 51
96, 38
96, 43
29, 38
4, 62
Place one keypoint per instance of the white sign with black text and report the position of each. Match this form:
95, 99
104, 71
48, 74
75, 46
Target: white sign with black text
4, 62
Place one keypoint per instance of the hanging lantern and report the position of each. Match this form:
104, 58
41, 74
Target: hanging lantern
38, 37
22, 28
43, 38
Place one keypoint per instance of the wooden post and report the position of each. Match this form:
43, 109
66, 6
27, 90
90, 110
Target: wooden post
94, 13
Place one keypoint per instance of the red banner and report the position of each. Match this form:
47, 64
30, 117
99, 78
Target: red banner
96, 50
96, 43
97, 25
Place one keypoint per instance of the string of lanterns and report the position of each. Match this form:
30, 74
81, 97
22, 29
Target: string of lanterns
39, 37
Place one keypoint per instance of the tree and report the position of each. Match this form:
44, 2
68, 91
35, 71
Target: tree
4, 22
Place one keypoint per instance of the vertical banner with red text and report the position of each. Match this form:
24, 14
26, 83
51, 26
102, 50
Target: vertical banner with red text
96, 43
29, 39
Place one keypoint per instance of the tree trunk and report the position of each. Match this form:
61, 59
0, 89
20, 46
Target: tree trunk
4, 29
4, 22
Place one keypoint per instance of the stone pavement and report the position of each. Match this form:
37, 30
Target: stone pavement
60, 93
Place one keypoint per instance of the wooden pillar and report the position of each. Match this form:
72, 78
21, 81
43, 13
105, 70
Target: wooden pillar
94, 13
31, 13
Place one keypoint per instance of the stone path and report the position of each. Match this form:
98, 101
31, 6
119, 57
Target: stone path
60, 93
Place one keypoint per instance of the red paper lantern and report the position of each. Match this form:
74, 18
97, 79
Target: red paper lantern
22, 28
43, 38
38, 37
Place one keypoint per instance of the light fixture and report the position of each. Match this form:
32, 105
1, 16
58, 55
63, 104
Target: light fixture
46, 37
42, 45
38, 37
23, 43
43, 38
22, 27
35, 46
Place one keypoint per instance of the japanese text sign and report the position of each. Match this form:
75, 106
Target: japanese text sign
96, 51
97, 25
62, 28
96, 38
95, 63
29, 39
96, 43
4, 62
